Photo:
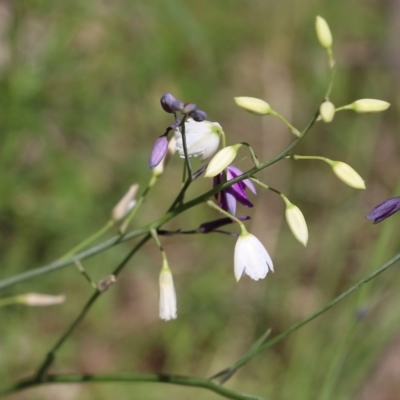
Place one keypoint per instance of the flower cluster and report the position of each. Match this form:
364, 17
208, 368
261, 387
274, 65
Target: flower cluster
194, 136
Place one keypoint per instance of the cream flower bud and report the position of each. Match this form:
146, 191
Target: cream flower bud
296, 222
327, 111
167, 295
202, 138
125, 204
323, 32
347, 174
37, 299
369, 105
159, 169
253, 105
221, 160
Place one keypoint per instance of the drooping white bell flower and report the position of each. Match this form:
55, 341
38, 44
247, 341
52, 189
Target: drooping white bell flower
251, 257
202, 138
167, 301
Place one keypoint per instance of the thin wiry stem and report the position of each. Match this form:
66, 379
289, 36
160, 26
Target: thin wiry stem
134, 378
228, 372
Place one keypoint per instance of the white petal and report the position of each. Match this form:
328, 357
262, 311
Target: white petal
202, 138
167, 296
251, 257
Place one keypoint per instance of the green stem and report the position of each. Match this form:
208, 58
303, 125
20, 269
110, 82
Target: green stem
89, 240
211, 204
231, 370
52, 353
294, 130
7, 301
134, 378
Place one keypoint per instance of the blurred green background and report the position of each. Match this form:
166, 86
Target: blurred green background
80, 83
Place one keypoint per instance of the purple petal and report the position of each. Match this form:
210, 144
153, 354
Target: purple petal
239, 194
158, 152
384, 210
233, 172
230, 202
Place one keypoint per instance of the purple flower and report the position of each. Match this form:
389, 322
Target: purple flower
159, 150
384, 210
235, 193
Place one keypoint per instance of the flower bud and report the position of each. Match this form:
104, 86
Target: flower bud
177, 105
159, 169
166, 101
253, 105
327, 111
347, 174
37, 299
323, 32
369, 105
167, 301
296, 222
158, 152
384, 210
188, 108
105, 283
198, 115
125, 204
221, 160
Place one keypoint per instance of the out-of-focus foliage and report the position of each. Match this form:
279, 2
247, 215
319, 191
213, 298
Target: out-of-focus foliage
80, 83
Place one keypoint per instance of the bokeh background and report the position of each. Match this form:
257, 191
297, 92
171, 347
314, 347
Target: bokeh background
80, 83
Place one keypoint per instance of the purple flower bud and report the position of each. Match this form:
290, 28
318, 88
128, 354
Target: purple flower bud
217, 223
189, 108
166, 101
160, 148
177, 105
198, 115
384, 210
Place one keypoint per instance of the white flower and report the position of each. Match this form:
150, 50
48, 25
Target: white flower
251, 257
202, 138
167, 295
